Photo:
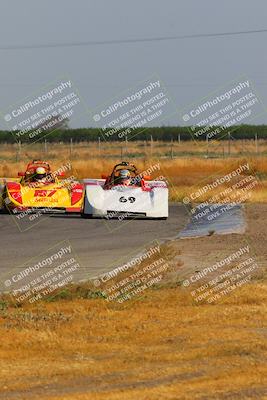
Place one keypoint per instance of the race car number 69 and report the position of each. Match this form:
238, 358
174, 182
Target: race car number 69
123, 199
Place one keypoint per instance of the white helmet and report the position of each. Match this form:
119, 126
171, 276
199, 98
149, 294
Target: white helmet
40, 173
124, 173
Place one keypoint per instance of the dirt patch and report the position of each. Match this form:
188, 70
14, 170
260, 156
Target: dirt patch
194, 254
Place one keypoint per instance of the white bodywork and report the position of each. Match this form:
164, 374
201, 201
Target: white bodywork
126, 200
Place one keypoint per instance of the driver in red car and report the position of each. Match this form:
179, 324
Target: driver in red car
40, 175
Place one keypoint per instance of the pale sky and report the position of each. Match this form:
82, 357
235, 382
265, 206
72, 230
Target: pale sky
190, 68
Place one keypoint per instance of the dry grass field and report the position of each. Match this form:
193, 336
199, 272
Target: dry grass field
160, 346
186, 165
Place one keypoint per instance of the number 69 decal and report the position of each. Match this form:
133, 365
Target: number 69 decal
123, 199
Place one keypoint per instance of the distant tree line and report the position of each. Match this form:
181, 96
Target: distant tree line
166, 133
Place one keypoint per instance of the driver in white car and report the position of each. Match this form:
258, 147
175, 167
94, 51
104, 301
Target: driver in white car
124, 178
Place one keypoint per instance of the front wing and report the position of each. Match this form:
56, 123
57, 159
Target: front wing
127, 201
47, 198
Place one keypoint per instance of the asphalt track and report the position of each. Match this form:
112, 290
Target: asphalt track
98, 243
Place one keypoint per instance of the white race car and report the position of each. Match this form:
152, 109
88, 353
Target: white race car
125, 194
